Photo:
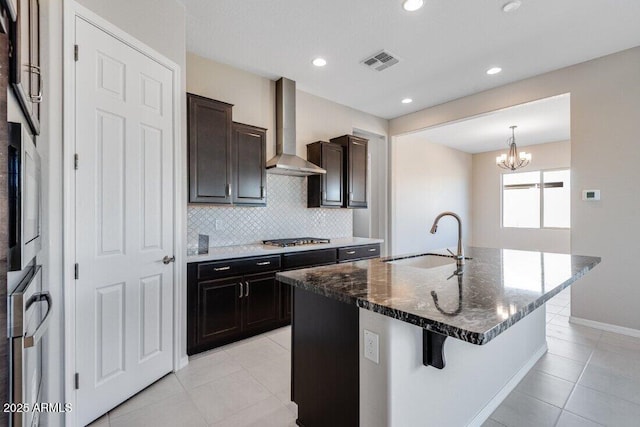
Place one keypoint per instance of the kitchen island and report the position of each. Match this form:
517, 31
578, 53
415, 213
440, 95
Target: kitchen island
488, 320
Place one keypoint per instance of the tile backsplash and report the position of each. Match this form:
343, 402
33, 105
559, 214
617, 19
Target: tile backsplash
286, 215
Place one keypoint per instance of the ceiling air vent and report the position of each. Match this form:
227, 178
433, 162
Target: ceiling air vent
380, 61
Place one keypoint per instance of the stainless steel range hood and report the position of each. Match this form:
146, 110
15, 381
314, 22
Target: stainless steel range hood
285, 161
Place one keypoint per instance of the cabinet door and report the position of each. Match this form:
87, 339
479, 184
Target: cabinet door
248, 167
219, 310
326, 190
209, 124
332, 181
356, 196
261, 301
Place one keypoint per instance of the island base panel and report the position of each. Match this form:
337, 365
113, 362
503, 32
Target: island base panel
401, 391
325, 361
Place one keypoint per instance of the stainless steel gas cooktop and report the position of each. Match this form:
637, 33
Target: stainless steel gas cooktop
295, 242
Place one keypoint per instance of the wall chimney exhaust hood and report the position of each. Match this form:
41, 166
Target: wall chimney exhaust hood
285, 161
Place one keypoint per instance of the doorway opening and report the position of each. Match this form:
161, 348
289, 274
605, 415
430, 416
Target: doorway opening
372, 221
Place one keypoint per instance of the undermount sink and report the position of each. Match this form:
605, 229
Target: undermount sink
424, 261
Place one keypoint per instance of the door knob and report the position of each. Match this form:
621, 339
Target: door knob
167, 259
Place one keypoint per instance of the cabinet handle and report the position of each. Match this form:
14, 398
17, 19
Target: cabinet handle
247, 291
372, 250
228, 190
262, 192
222, 268
351, 252
34, 69
263, 263
241, 291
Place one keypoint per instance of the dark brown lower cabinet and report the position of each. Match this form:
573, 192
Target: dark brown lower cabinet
232, 299
225, 310
261, 301
285, 303
296, 260
219, 309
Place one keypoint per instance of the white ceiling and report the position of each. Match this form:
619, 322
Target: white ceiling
445, 48
545, 120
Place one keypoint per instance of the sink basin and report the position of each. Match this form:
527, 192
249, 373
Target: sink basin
425, 261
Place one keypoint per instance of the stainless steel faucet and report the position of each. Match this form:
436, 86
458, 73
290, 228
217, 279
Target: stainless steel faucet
460, 255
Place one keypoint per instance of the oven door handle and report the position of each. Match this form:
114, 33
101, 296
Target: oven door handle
31, 340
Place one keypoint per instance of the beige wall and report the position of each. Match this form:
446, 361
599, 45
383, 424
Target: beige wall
158, 23
605, 106
427, 179
253, 99
486, 202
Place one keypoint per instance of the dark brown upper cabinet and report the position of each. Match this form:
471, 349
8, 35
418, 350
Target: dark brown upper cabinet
355, 166
248, 167
210, 131
326, 190
24, 71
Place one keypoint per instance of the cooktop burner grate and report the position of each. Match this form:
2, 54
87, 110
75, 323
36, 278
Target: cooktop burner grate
295, 242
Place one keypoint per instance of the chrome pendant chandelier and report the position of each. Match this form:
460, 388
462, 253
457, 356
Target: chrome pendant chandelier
513, 160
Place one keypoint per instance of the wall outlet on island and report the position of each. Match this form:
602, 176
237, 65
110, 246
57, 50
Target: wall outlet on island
371, 347
219, 224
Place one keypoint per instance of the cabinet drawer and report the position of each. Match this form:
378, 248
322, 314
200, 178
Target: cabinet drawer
308, 259
353, 253
237, 266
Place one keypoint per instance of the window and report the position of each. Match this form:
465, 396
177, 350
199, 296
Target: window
524, 205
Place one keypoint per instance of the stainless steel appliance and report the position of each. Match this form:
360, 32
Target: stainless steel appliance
29, 309
283, 243
286, 162
24, 198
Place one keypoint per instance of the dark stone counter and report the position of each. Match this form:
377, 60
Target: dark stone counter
497, 288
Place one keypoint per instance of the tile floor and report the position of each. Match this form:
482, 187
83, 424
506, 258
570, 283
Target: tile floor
587, 378
246, 383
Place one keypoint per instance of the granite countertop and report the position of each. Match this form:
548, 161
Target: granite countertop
497, 288
257, 249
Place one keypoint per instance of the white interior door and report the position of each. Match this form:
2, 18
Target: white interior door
124, 221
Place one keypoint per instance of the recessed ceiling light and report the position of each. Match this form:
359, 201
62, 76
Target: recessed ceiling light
494, 70
412, 5
511, 6
319, 62
407, 101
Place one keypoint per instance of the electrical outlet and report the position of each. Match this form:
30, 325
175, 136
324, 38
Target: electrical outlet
371, 348
219, 224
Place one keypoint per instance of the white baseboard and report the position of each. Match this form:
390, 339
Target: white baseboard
493, 404
605, 326
184, 361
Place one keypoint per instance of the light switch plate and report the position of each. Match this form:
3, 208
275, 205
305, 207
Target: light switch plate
371, 346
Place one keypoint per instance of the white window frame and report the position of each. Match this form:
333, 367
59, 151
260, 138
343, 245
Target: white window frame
542, 226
